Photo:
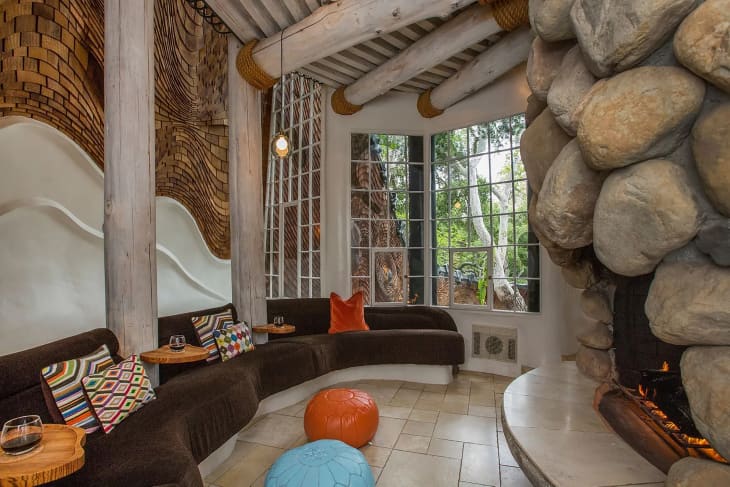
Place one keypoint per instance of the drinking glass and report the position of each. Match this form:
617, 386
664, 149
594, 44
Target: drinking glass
21, 435
278, 320
177, 343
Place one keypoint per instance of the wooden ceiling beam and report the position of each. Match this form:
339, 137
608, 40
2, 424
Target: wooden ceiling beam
508, 53
438, 46
333, 28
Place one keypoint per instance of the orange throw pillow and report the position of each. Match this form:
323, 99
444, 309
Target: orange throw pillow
347, 315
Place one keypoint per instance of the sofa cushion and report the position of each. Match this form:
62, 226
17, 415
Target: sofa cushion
205, 327
233, 341
409, 318
429, 347
323, 348
347, 315
64, 393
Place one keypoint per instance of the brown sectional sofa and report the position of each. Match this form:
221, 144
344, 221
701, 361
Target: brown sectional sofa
199, 407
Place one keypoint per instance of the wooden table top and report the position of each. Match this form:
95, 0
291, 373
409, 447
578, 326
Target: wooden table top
60, 453
276, 330
164, 355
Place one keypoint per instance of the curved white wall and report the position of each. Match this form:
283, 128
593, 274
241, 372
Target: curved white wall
52, 249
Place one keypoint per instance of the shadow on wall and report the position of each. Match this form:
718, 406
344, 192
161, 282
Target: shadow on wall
52, 248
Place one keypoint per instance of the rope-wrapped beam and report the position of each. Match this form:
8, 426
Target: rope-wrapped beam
250, 70
509, 14
340, 104
425, 107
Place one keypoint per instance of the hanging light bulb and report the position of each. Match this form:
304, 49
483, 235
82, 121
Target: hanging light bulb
280, 145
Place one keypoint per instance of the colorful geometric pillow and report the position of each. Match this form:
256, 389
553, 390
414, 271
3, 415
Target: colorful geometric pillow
118, 392
64, 382
204, 327
233, 340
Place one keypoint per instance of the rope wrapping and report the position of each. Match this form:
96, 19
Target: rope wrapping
250, 71
509, 14
425, 107
340, 104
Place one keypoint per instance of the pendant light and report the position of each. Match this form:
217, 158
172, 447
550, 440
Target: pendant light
280, 145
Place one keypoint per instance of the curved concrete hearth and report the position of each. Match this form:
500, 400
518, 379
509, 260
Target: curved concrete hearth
560, 440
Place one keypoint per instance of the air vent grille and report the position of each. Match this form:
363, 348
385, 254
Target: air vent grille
494, 343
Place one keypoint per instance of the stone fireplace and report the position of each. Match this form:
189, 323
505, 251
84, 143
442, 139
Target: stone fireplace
627, 154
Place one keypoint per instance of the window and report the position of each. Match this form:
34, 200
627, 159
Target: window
483, 252
292, 217
387, 218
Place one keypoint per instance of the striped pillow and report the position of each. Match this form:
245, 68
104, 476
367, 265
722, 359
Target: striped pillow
204, 326
64, 381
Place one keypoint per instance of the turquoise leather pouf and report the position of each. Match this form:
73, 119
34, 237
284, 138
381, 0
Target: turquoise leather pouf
323, 463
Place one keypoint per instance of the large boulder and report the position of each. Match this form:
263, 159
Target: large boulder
689, 303
706, 379
534, 109
711, 150
596, 335
570, 86
557, 254
567, 199
543, 64
541, 143
616, 35
596, 304
714, 239
702, 42
595, 364
580, 274
551, 19
644, 212
693, 472
637, 115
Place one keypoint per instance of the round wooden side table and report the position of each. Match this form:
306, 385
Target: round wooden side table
164, 355
60, 453
261, 332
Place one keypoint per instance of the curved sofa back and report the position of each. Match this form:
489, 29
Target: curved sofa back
311, 316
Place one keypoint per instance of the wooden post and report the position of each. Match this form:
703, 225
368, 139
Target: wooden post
246, 188
129, 174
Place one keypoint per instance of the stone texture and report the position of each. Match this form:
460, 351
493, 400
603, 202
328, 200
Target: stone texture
637, 115
644, 212
616, 35
711, 150
702, 42
580, 275
593, 363
595, 304
597, 335
550, 19
567, 199
543, 64
541, 143
714, 239
569, 88
706, 379
557, 254
689, 303
534, 109
693, 472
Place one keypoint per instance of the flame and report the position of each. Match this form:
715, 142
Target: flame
665, 366
642, 391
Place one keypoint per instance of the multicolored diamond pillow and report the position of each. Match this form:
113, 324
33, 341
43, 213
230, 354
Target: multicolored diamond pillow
118, 392
233, 340
206, 325
64, 381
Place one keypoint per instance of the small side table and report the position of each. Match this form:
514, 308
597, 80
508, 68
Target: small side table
60, 454
261, 332
164, 355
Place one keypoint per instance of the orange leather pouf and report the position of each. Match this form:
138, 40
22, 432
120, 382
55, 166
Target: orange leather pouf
347, 415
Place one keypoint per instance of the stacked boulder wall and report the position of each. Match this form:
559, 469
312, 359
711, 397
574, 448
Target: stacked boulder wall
644, 212
689, 303
711, 150
693, 472
702, 42
616, 35
551, 19
543, 63
594, 363
572, 83
541, 143
706, 379
640, 114
568, 198
596, 335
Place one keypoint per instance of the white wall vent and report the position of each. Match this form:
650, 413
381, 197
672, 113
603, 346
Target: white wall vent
494, 343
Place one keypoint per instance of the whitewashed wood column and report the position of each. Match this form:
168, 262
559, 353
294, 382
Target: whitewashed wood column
129, 174
246, 186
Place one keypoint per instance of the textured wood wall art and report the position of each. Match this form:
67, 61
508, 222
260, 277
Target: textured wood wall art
52, 60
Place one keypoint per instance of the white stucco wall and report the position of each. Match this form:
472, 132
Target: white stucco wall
52, 249
542, 337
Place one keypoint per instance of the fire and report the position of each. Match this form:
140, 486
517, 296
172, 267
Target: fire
642, 391
665, 366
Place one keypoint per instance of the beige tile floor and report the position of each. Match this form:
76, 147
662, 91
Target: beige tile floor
428, 436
